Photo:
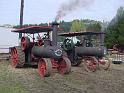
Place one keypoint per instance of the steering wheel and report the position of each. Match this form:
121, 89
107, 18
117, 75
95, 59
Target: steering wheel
68, 44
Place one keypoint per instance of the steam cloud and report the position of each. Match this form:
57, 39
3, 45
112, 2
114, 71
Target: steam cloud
71, 6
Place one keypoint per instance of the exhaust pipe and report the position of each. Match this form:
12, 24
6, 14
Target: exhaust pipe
54, 33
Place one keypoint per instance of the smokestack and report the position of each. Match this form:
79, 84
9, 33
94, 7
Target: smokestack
54, 33
21, 16
71, 6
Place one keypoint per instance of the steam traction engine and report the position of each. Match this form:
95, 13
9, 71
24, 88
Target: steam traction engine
43, 52
88, 49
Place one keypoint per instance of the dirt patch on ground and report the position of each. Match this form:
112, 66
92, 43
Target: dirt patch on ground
78, 81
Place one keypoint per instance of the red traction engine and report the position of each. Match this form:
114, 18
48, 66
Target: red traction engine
41, 51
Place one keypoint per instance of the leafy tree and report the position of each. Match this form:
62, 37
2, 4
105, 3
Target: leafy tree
115, 30
94, 26
65, 26
77, 25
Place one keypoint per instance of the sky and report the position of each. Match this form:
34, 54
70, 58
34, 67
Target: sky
37, 11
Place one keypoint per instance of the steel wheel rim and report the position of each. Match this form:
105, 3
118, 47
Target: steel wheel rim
14, 57
90, 64
104, 63
62, 67
42, 68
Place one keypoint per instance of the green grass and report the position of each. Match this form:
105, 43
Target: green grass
8, 84
11, 88
26, 80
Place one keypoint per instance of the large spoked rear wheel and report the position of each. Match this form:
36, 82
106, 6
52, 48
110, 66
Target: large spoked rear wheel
90, 64
104, 63
64, 66
17, 57
44, 67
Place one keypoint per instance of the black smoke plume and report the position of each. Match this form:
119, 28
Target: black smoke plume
71, 6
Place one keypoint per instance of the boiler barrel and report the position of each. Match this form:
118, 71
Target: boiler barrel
89, 51
47, 52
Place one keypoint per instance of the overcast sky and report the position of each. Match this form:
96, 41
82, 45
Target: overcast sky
37, 11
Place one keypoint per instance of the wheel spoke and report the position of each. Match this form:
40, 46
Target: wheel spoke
90, 64
104, 63
44, 67
64, 66
17, 57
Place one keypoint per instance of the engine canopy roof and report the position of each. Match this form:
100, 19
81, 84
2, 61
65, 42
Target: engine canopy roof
72, 34
33, 29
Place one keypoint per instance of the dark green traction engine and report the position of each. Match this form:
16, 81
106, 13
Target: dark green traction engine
38, 49
85, 51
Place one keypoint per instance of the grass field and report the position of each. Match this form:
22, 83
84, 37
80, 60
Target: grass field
26, 80
8, 83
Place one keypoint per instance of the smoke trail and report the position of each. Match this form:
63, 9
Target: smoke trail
71, 6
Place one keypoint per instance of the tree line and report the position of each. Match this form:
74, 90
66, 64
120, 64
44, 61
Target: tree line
73, 26
114, 37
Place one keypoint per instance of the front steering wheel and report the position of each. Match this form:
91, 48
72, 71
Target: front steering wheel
68, 44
